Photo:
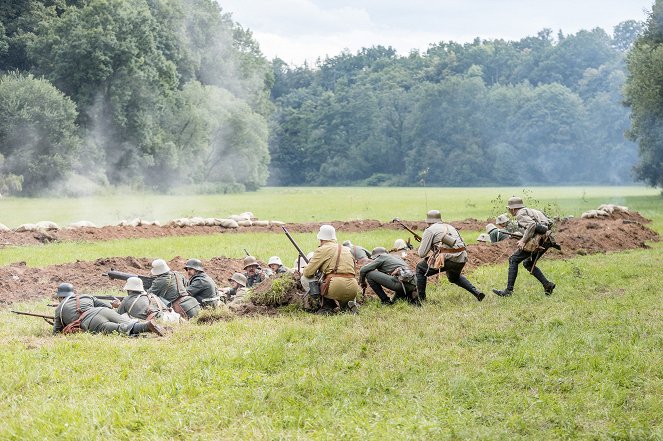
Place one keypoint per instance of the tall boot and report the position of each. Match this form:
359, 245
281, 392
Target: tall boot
512, 275
384, 298
467, 285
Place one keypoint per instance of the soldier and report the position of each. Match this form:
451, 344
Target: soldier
448, 255
400, 248
201, 286
253, 273
496, 234
339, 287
530, 247
170, 287
391, 272
359, 254
77, 313
274, 263
237, 290
138, 304
502, 221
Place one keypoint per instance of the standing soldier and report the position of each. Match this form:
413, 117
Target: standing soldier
391, 272
253, 273
339, 287
530, 248
201, 286
169, 285
78, 313
138, 304
448, 255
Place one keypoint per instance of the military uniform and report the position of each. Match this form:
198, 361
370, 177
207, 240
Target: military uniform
202, 288
255, 278
496, 234
342, 285
379, 273
97, 317
531, 221
445, 238
170, 287
360, 254
141, 305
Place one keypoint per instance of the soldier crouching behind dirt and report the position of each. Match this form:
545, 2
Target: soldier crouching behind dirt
253, 273
138, 304
274, 263
537, 229
169, 285
339, 287
391, 272
448, 255
83, 313
235, 294
201, 286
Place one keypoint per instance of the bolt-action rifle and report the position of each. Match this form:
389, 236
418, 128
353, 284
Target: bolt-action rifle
119, 275
247, 253
416, 236
299, 250
49, 318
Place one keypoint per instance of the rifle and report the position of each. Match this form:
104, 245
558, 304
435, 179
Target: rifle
416, 236
119, 275
299, 250
49, 318
247, 253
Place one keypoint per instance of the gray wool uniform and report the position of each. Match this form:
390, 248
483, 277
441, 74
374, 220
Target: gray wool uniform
99, 317
378, 273
141, 305
433, 236
170, 286
203, 289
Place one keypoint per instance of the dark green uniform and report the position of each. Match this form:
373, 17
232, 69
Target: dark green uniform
99, 317
497, 234
203, 289
378, 274
170, 287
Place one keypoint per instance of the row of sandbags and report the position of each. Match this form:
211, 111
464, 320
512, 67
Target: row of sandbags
604, 210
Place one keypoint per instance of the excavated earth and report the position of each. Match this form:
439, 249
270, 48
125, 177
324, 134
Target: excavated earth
19, 283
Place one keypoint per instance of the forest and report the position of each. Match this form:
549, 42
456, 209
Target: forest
161, 94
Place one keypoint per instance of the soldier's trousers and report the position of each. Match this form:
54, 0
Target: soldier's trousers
106, 321
528, 259
453, 271
377, 280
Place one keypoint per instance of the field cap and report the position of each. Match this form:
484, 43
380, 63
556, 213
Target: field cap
134, 284
159, 266
327, 232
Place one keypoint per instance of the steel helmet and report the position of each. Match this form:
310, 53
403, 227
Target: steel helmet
250, 261
489, 228
194, 264
502, 219
327, 232
159, 266
239, 278
483, 237
65, 289
134, 284
378, 251
274, 260
400, 244
515, 202
433, 217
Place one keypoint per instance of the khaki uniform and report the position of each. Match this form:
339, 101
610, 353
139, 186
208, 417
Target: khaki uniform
343, 286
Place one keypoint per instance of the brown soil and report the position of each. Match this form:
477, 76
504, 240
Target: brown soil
19, 282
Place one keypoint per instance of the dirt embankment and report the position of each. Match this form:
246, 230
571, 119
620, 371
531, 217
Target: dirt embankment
576, 236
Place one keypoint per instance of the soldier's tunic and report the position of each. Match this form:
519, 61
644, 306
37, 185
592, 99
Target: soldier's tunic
170, 287
203, 289
360, 254
236, 297
281, 270
497, 234
343, 286
141, 306
455, 258
255, 278
378, 274
99, 316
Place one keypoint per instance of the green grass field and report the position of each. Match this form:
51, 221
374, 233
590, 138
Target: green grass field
582, 364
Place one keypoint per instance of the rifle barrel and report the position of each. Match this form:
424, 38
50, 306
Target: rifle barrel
32, 314
299, 250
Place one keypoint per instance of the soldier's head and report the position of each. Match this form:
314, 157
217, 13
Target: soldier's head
514, 204
274, 263
251, 264
327, 233
433, 217
193, 266
159, 266
483, 237
64, 290
134, 284
489, 228
347, 243
502, 220
400, 244
237, 280
378, 251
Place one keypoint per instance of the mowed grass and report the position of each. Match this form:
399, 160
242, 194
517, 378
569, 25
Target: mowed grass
584, 363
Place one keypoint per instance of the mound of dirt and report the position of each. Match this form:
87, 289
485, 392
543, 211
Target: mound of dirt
19, 282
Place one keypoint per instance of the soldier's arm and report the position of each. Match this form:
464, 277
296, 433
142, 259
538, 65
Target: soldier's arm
195, 288
366, 269
314, 264
157, 286
101, 303
57, 323
426, 242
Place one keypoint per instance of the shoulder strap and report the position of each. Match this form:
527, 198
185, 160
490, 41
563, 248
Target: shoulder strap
78, 305
338, 257
134, 302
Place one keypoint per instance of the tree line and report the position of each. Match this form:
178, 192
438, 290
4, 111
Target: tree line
156, 94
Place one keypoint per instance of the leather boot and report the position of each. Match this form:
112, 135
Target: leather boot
153, 327
503, 292
548, 289
467, 285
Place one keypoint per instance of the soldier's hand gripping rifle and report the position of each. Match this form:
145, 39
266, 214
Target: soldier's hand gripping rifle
49, 318
416, 236
119, 275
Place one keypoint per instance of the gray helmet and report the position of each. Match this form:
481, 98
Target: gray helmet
65, 289
347, 243
433, 217
515, 202
378, 251
194, 264
239, 278
250, 261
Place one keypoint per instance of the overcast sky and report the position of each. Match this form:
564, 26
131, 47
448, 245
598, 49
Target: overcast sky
298, 30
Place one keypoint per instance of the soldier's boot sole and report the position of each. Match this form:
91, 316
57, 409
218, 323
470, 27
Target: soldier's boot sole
153, 327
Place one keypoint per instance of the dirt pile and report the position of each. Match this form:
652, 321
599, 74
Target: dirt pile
576, 236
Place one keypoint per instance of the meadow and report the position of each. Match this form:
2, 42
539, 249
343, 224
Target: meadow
581, 364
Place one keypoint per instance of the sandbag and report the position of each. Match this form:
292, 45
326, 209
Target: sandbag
275, 222
244, 223
4, 228
259, 223
228, 223
47, 225
81, 224
26, 227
